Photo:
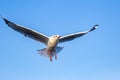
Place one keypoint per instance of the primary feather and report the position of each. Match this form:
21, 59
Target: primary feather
27, 32
75, 35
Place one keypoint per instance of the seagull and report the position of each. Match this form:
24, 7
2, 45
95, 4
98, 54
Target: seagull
51, 42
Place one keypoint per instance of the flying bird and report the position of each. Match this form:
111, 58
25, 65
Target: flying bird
51, 42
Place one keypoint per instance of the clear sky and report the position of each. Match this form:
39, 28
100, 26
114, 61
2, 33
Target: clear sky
95, 56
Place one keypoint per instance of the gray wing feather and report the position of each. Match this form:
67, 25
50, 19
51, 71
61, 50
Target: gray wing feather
27, 32
75, 35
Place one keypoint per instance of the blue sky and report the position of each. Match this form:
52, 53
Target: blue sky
95, 56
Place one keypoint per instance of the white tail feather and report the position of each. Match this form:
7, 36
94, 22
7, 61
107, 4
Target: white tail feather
44, 52
58, 49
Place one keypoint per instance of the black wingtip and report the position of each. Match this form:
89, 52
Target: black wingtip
94, 27
6, 21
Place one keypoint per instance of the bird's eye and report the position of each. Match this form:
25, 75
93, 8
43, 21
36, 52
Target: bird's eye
54, 36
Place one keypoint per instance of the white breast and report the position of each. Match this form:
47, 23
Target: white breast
52, 43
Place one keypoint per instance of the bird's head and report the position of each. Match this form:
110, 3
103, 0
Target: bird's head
56, 37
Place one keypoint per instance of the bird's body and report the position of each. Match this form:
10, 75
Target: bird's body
51, 42
51, 46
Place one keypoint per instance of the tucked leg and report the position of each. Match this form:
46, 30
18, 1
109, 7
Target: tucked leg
50, 56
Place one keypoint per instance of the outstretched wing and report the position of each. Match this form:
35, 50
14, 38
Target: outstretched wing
27, 32
75, 35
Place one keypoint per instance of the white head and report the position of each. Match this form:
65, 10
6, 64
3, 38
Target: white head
56, 37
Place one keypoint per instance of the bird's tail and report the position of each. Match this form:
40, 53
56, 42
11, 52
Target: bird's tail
58, 49
44, 51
